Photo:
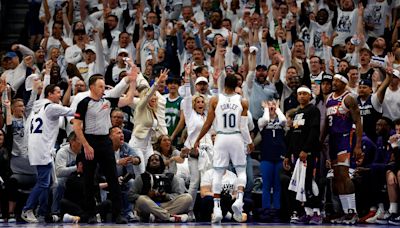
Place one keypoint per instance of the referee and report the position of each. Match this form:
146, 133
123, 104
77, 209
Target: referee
91, 125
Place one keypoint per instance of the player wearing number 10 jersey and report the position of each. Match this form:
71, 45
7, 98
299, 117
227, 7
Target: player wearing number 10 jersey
230, 114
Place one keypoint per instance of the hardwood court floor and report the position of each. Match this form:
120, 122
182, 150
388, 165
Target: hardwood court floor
182, 225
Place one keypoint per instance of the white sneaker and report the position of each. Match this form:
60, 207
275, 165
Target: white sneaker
29, 217
216, 217
237, 208
383, 219
379, 214
179, 218
67, 218
228, 216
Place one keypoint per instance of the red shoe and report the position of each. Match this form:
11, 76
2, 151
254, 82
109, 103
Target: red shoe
367, 216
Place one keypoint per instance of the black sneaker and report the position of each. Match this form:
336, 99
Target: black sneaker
351, 218
92, 220
394, 219
121, 220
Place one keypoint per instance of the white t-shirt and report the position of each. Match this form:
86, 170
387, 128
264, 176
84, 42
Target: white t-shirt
390, 106
316, 31
346, 25
376, 14
229, 180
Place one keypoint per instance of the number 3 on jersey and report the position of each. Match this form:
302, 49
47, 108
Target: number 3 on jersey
229, 120
36, 126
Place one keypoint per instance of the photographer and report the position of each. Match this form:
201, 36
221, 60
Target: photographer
127, 162
159, 194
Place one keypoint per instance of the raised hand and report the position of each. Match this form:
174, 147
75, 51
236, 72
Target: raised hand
163, 75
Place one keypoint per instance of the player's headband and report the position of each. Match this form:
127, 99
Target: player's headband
304, 89
341, 78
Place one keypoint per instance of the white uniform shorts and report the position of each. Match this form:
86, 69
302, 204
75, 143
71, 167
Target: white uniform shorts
229, 147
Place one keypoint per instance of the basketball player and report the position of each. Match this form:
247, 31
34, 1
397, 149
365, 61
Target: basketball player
342, 112
43, 130
230, 114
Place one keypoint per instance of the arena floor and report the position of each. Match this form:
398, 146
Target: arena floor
187, 225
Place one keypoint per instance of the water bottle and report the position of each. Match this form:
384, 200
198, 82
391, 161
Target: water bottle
4, 97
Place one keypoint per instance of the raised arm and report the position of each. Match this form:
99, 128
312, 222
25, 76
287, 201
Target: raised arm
128, 99
380, 93
208, 123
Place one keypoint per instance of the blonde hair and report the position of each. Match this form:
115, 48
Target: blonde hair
197, 96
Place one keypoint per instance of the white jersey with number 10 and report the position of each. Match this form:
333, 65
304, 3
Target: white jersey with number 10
227, 114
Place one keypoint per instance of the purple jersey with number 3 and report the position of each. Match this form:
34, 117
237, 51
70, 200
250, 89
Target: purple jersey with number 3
339, 118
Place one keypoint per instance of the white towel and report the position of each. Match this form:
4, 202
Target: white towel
298, 180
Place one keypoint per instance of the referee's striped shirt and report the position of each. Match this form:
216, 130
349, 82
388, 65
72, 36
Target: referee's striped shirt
95, 115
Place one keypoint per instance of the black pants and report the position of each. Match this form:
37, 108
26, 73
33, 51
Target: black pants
104, 156
312, 200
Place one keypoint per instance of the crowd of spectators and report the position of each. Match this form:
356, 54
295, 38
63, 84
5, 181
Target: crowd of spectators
151, 66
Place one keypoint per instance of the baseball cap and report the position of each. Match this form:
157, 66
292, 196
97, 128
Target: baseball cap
10, 55
261, 67
201, 79
122, 50
90, 48
396, 73
327, 77
366, 82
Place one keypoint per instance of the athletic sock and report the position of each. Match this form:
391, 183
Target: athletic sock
393, 208
381, 206
308, 211
217, 202
240, 196
317, 210
351, 199
345, 204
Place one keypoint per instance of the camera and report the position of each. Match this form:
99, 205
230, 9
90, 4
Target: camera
126, 59
162, 182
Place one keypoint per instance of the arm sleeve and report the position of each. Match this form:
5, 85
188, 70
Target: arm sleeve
81, 109
281, 117
263, 121
54, 111
244, 129
310, 143
61, 160
117, 90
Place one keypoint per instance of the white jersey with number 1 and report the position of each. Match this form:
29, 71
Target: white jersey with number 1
229, 141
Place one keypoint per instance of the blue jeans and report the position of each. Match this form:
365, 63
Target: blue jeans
58, 194
270, 171
40, 192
